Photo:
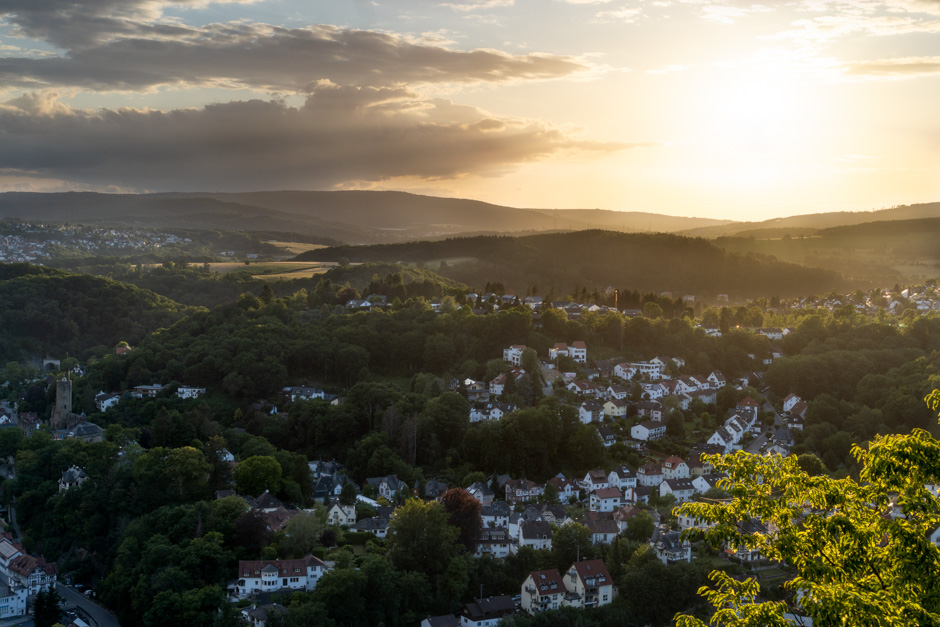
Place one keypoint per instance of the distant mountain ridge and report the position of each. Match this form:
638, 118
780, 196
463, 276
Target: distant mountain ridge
810, 224
357, 217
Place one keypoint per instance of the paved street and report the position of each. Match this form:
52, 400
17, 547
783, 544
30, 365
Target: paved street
100, 616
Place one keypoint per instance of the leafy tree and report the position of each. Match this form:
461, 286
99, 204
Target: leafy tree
464, 512
640, 527
258, 474
421, 538
852, 561
347, 495
570, 542
47, 608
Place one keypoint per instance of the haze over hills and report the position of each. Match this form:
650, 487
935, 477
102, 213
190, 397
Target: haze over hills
358, 217
809, 224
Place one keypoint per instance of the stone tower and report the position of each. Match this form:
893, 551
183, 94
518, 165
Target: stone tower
63, 404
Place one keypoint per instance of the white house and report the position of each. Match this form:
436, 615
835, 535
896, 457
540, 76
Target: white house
21, 570
670, 548
790, 401
189, 392
535, 533
591, 411
105, 401
591, 583
622, 477
648, 431
493, 542
606, 500
578, 352
558, 350
341, 515
675, 468
272, 575
681, 489
513, 354
650, 475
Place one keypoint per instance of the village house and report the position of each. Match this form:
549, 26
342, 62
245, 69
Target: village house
615, 408
566, 487
650, 475
558, 350
675, 468
591, 411
341, 515
105, 401
493, 542
681, 489
594, 480
189, 392
302, 393
495, 515
482, 492
591, 583
536, 534
21, 570
671, 548
513, 354
578, 352
606, 500
72, 478
256, 576
387, 487
543, 590
648, 431
622, 477
522, 491
146, 391
487, 612
607, 435
376, 525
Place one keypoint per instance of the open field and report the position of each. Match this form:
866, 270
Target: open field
295, 248
275, 269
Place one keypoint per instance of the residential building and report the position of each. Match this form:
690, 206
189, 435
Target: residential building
189, 392
606, 500
671, 548
272, 575
493, 542
535, 533
487, 612
543, 590
21, 570
591, 583
513, 354
675, 468
648, 431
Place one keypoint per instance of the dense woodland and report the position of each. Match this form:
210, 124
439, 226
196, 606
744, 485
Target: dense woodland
146, 533
647, 262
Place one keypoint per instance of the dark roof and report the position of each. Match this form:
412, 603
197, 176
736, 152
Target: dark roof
544, 579
536, 529
447, 620
595, 569
489, 608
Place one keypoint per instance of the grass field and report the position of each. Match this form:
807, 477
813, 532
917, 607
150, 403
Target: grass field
295, 248
275, 269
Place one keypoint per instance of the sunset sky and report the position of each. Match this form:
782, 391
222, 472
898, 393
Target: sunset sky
714, 108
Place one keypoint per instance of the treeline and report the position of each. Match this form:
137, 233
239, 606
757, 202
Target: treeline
861, 378
46, 311
648, 262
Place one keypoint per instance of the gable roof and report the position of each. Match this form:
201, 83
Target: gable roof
548, 581
593, 569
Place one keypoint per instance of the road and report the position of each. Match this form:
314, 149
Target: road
100, 616
758, 442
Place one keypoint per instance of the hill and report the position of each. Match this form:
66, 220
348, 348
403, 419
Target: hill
809, 224
597, 259
47, 311
349, 216
884, 252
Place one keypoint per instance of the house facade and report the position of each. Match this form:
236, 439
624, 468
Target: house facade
271, 575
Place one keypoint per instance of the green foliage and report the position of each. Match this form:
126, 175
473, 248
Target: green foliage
851, 559
258, 474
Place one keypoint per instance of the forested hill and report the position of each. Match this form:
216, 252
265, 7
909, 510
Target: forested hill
564, 261
47, 311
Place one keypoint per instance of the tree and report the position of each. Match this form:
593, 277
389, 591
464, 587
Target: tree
347, 495
852, 561
421, 538
258, 474
571, 542
640, 527
47, 608
464, 512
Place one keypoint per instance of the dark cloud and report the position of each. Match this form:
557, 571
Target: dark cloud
268, 57
340, 134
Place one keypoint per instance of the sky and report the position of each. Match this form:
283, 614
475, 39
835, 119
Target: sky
730, 109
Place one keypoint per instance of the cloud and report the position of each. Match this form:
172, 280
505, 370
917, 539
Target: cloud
476, 5
623, 14
898, 68
269, 57
338, 136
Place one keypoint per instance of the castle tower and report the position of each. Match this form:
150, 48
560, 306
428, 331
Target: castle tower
63, 404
